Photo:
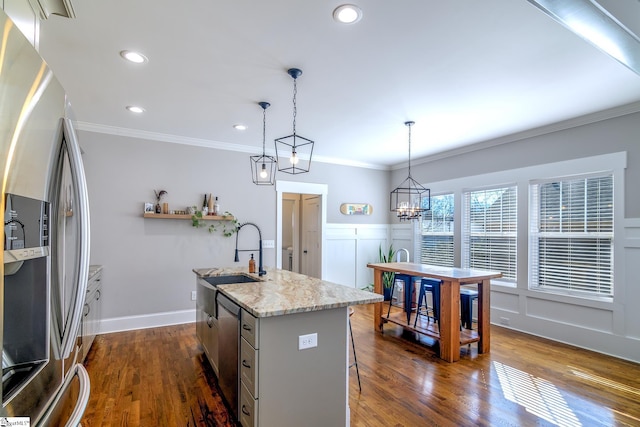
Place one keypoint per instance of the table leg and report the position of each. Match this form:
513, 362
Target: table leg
484, 321
377, 306
449, 321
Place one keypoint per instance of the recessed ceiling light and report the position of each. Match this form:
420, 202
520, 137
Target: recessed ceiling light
132, 56
135, 109
240, 127
347, 14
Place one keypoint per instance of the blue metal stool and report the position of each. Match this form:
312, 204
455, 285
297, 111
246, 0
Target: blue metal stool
408, 292
433, 286
466, 306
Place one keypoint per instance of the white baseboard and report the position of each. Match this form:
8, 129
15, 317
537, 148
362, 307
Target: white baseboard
154, 320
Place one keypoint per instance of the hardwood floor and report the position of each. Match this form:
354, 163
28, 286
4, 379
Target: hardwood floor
157, 377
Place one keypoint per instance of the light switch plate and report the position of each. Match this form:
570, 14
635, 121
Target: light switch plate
268, 244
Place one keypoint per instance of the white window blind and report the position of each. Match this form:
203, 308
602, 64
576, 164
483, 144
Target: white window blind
436, 232
489, 230
571, 235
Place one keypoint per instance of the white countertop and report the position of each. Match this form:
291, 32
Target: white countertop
282, 292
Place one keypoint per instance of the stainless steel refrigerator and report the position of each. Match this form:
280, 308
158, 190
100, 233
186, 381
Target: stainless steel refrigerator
45, 261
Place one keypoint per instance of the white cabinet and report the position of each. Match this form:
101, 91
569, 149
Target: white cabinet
92, 313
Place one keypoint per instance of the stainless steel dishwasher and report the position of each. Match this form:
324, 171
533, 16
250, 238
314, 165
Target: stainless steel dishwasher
229, 347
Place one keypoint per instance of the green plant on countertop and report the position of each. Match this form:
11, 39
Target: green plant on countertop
229, 225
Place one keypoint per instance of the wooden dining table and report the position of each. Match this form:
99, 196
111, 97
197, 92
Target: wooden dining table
447, 330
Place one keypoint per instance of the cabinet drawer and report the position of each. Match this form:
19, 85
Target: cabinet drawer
249, 367
247, 412
249, 329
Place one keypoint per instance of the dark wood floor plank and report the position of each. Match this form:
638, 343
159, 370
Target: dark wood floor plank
158, 377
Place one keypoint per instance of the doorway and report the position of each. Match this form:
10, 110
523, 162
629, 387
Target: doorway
300, 224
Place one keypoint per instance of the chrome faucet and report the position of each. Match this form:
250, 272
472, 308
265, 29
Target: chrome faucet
261, 271
406, 252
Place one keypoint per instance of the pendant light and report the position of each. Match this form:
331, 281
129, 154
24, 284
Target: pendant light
263, 168
410, 200
294, 152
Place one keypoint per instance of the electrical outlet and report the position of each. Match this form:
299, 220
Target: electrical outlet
193, 295
268, 244
307, 341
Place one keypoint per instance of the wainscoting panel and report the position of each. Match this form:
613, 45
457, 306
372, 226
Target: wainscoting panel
350, 247
341, 257
631, 298
571, 314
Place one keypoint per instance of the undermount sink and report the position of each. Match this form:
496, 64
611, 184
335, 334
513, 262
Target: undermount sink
230, 278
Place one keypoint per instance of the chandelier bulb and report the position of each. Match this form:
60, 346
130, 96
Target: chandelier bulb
263, 172
294, 159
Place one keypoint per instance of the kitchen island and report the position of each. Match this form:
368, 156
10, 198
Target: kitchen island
280, 313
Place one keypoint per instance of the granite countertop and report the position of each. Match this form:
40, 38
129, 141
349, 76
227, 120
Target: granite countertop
282, 292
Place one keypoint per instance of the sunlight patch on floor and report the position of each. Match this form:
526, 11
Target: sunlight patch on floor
604, 381
536, 395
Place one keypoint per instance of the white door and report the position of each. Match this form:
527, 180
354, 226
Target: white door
310, 256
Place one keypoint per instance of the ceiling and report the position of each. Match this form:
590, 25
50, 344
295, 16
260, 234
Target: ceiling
465, 71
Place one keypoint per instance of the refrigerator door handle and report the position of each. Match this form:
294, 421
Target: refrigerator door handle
77, 173
51, 416
83, 396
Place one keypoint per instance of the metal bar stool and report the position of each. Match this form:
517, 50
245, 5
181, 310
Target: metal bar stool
467, 296
353, 347
433, 286
408, 287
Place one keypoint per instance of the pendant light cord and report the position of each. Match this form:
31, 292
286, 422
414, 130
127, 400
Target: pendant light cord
295, 107
409, 124
264, 129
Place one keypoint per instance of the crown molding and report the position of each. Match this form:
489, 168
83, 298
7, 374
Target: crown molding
575, 122
207, 143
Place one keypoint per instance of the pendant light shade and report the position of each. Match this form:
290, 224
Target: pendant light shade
263, 168
293, 152
410, 200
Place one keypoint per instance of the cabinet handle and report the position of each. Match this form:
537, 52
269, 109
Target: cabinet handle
210, 321
245, 364
244, 411
88, 309
99, 295
246, 327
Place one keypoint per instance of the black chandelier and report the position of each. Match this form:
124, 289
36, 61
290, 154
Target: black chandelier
263, 168
410, 200
294, 152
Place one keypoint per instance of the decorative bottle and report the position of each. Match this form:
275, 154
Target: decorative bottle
210, 205
204, 203
216, 207
252, 265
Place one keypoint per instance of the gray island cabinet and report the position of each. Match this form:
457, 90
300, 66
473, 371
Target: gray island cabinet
278, 383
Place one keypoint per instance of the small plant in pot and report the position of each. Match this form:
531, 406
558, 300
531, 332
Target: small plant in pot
388, 276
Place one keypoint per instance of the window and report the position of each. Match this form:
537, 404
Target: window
489, 231
571, 235
436, 237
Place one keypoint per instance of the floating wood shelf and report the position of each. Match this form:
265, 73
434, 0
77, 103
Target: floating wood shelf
187, 216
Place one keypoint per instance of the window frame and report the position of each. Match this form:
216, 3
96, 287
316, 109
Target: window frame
466, 233
420, 234
535, 235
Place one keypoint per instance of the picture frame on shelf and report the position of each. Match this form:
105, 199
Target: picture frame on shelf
148, 208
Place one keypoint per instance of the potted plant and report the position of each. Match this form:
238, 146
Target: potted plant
388, 276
